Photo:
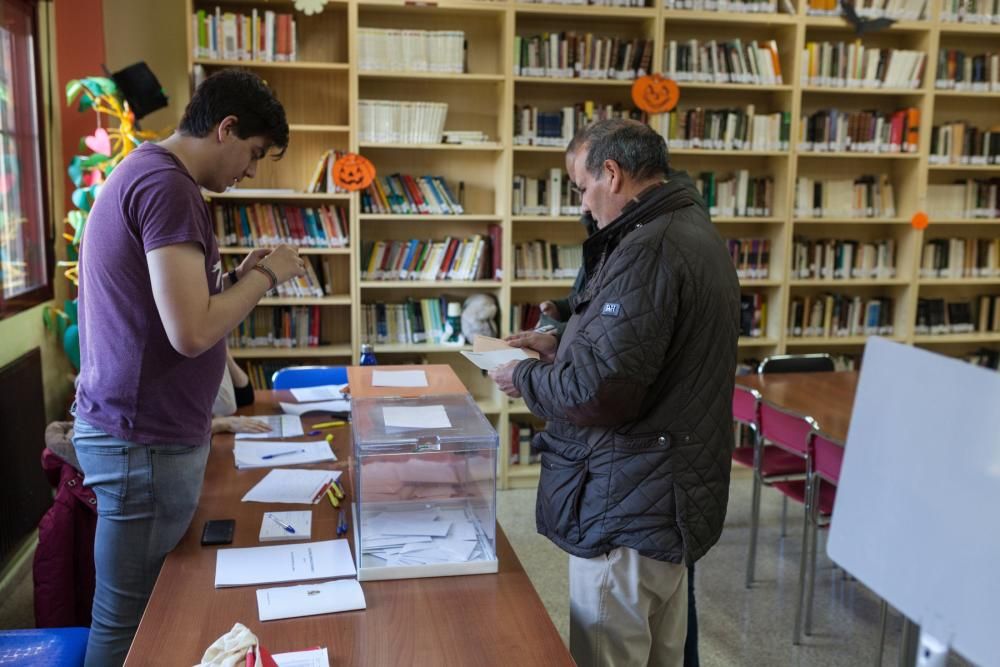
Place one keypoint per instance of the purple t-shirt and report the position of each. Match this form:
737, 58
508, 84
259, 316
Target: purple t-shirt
133, 384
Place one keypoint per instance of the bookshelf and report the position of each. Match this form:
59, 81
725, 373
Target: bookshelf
322, 88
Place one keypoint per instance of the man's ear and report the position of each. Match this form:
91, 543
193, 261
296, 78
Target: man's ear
613, 172
227, 128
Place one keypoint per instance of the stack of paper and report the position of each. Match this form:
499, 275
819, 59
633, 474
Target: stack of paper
488, 353
327, 392
421, 538
262, 454
282, 426
320, 406
272, 531
292, 486
283, 562
310, 599
315, 657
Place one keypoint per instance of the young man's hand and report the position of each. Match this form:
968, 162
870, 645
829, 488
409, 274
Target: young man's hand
285, 262
544, 344
251, 261
504, 377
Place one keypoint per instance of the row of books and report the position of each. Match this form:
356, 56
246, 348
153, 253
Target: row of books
853, 65
401, 122
260, 225
958, 71
593, 3
534, 260
899, 10
737, 194
556, 128
867, 196
476, 257
843, 259
971, 11
960, 258
753, 315
413, 322
322, 176
525, 316
261, 36
736, 6
860, 131
409, 195
751, 257
279, 327
581, 56
553, 196
839, 315
522, 451
301, 287
984, 357
411, 50
261, 372
722, 62
969, 198
962, 143
726, 129
940, 317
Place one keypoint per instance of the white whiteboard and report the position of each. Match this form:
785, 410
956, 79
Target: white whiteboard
917, 516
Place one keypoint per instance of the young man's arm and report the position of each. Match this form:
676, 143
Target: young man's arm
195, 320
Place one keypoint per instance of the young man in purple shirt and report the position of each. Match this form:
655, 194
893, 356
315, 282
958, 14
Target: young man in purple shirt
155, 308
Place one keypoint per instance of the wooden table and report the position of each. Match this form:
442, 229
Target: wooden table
492, 619
826, 397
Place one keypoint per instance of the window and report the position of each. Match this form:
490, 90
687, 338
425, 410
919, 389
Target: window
25, 246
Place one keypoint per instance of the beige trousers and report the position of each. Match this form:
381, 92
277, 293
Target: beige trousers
626, 609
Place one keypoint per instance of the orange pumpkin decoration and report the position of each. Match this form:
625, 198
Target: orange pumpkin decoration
353, 172
655, 94
919, 220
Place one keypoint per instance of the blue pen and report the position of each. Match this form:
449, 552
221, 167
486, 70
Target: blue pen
271, 456
315, 432
281, 523
342, 524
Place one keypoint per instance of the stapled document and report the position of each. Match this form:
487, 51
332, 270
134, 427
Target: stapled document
283, 562
292, 485
325, 392
310, 599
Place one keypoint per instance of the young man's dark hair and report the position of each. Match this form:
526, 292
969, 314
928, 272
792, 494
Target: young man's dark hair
240, 93
636, 147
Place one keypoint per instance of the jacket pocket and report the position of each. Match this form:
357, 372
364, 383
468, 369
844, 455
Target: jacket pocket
560, 486
640, 496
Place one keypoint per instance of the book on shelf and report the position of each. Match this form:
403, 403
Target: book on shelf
592, 3
960, 142
843, 259
960, 258
403, 194
984, 357
465, 137
899, 10
279, 327
411, 50
260, 225
413, 322
305, 286
839, 315
522, 435
553, 196
940, 317
322, 179
263, 36
726, 129
541, 260
854, 65
401, 122
525, 316
472, 258
751, 257
753, 315
867, 196
569, 55
736, 194
715, 61
831, 130
734, 6
533, 127
979, 73
969, 198
976, 12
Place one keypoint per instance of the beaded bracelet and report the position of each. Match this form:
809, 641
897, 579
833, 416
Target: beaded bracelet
269, 273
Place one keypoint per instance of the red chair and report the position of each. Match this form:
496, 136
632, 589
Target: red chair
745, 401
780, 464
825, 458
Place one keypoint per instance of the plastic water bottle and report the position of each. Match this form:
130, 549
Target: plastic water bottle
453, 324
367, 355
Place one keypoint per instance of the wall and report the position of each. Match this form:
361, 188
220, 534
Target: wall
24, 332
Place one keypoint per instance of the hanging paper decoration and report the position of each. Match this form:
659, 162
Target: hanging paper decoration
310, 7
353, 172
655, 94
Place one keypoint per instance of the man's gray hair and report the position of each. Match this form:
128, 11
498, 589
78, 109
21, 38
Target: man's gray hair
636, 147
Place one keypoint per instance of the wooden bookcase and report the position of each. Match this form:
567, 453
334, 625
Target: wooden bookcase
321, 91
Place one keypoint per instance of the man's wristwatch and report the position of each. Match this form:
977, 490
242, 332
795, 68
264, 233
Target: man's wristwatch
232, 277
545, 328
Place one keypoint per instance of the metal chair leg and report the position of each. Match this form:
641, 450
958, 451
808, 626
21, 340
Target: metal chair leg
883, 617
754, 520
784, 516
811, 590
803, 559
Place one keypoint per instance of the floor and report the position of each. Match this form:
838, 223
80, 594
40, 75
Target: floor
737, 626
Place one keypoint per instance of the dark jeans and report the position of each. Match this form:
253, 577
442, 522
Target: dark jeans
691, 643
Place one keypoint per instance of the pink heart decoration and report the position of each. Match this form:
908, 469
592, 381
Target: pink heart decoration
93, 177
99, 142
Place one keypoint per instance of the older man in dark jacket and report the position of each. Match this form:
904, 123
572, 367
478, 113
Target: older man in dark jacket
637, 394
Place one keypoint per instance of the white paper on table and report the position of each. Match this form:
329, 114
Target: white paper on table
490, 360
251, 454
282, 426
322, 406
299, 520
283, 562
316, 657
421, 416
310, 599
377, 529
327, 392
399, 378
292, 485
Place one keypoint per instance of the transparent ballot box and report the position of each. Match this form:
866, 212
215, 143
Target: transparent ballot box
425, 487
